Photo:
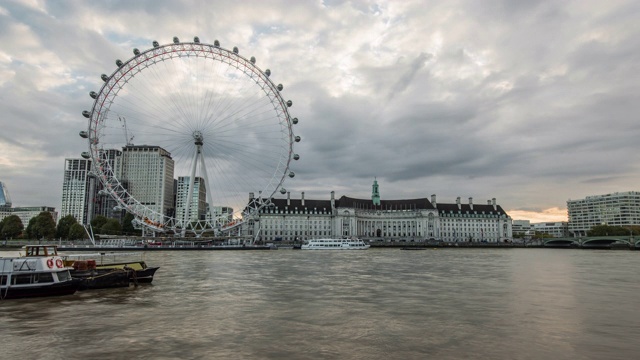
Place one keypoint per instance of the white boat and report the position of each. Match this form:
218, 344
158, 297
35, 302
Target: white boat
335, 244
38, 274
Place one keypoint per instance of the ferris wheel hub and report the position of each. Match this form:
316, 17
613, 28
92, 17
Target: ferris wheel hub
198, 137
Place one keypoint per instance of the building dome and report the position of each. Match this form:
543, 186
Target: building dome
5, 199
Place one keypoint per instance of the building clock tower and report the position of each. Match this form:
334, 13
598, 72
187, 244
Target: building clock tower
375, 193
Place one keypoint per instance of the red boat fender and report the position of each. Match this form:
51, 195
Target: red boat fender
50, 263
59, 263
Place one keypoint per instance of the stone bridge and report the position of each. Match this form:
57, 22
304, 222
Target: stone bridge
594, 242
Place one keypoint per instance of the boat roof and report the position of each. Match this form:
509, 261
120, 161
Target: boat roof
40, 250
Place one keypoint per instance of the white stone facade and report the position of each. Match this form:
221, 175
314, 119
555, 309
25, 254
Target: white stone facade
393, 220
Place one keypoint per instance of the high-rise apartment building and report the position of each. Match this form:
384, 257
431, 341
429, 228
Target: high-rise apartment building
147, 172
616, 209
102, 203
77, 186
198, 203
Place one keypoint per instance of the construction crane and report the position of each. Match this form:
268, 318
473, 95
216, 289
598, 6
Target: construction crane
129, 140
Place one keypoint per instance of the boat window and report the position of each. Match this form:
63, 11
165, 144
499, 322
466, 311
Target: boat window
43, 277
3, 280
21, 279
64, 275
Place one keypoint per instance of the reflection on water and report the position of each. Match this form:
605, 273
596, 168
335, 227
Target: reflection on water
374, 304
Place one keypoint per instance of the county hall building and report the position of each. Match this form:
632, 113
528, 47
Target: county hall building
421, 219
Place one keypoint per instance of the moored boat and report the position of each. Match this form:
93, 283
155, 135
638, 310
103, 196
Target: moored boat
92, 278
335, 244
137, 269
41, 273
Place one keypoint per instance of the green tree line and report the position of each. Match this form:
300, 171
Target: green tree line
43, 226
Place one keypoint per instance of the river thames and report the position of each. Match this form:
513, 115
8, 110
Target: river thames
373, 304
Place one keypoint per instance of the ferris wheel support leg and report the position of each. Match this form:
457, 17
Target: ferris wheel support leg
208, 191
185, 216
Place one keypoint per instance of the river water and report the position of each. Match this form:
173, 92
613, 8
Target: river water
373, 304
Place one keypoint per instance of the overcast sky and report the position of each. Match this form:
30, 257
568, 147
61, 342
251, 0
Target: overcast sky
530, 102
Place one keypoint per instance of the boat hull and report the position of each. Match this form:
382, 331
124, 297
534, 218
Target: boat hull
90, 280
55, 289
143, 276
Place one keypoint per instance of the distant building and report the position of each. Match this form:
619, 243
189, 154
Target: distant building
148, 172
615, 209
521, 227
555, 229
101, 202
25, 213
198, 202
5, 199
78, 190
391, 220
218, 212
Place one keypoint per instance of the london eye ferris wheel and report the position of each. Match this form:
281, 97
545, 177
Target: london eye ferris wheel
204, 115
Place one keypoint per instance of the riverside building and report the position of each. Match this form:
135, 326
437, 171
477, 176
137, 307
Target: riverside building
615, 209
417, 220
148, 172
76, 194
558, 229
197, 204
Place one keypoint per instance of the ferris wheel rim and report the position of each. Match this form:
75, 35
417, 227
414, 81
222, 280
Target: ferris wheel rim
135, 65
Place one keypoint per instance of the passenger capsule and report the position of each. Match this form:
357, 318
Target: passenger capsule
84, 134
176, 40
253, 60
216, 43
196, 40
86, 114
296, 157
283, 191
280, 87
155, 44
297, 138
136, 52
93, 94
119, 63
294, 120
85, 154
267, 72
104, 77
235, 49
289, 103
291, 174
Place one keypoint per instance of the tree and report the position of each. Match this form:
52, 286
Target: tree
97, 223
112, 227
46, 225
64, 225
31, 229
41, 226
608, 230
11, 227
77, 232
127, 226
